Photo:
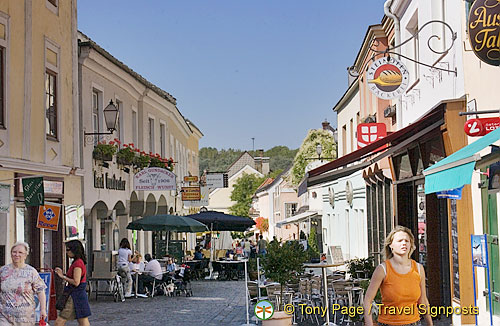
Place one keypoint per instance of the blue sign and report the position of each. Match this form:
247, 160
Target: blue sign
479, 251
451, 194
46, 277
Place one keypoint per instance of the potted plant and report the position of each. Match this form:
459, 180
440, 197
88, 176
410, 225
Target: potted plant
361, 267
141, 161
282, 263
125, 156
156, 162
312, 247
252, 269
103, 151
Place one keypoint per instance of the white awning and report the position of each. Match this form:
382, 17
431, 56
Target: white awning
298, 218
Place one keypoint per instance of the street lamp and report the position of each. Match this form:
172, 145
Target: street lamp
319, 150
110, 118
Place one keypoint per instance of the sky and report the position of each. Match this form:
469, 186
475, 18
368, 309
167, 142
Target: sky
264, 69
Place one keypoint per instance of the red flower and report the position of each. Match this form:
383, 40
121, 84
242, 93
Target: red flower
131, 145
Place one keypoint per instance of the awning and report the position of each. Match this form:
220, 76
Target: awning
298, 218
456, 170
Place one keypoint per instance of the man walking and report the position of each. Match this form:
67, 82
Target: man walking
262, 246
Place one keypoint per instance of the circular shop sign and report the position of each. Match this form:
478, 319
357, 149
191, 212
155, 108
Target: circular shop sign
387, 78
484, 30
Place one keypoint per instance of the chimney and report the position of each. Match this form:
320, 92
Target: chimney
325, 125
258, 160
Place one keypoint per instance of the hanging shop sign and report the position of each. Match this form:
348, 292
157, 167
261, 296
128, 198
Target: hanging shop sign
191, 193
481, 126
484, 30
48, 217
191, 179
204, 191
369, 133
153, 179
216, 180
33, 191
387, 78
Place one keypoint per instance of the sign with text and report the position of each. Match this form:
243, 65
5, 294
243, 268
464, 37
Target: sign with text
46, 277
369, 133
190, 193
387, 78
481, 126
216, 180
154, 179
191, 179
4, 197
48, 217
204, 191
450, 194
33, 191
484, 30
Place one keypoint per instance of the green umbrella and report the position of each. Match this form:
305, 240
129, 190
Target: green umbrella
166, 222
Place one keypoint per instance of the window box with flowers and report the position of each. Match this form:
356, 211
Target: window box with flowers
104, 152
125, 156
141, 161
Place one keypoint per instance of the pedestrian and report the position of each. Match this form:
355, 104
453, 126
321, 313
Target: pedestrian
152, 271
262, 245
124, 259
401, 281
198, 255
77, 306
18, 284
247, 248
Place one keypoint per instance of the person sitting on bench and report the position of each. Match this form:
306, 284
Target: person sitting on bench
152, 271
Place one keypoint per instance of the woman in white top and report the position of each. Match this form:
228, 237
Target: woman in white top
124, 258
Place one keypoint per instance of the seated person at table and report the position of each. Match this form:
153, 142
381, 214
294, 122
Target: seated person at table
198, 255
171, 267
151, 272
136, 265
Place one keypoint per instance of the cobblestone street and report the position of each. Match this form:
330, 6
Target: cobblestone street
213, 303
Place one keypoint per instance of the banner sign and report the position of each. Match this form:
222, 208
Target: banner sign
4, 197
47, 278
450, 194
370, 132
48, 217
191, 193
484, 30
479, 250
33, 191
154, 179
204, 191
387, 78
191, 179
481, 126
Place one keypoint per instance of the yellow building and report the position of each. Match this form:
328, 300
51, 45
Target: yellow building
38, 121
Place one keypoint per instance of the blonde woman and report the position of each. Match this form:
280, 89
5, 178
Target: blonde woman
18, 284
401, 281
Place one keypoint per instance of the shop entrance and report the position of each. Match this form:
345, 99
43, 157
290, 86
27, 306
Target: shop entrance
427, 217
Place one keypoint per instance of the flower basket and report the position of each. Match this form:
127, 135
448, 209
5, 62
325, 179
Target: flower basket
141, 162
125, 156
104, 152
156, 162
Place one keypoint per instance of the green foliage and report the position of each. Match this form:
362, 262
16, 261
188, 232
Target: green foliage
243, 191
211, 159
307, 152
283, 262
104, 149
312, 245
125, 156
141, 161
274, 174
361, 267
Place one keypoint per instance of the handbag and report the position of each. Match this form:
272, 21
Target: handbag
62, 299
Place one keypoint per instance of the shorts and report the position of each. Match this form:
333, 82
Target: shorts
412, 324
68, 312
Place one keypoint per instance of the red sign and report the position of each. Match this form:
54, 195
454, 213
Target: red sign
480, 127
369, 133
48, 217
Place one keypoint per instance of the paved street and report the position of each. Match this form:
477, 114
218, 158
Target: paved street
213, 303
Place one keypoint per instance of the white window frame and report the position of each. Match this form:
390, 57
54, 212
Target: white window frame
151, 133
119, 123
163, 138
4, 43
134, 127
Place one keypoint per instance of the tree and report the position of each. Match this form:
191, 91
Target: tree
243, 190
307, 152
262, 224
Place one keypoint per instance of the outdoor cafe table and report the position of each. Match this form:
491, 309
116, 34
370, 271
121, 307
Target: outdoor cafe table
323, 267
227, 263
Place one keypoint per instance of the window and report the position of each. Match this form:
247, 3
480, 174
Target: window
95, 111
344, 140
134, 127
51, 104
151, 135
2, 97
290, 209
53, 2
119, 106
351, 124
162, 140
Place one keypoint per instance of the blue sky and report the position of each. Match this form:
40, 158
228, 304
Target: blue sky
268, 69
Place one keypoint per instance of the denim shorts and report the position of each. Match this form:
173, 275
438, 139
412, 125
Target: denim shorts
418, 323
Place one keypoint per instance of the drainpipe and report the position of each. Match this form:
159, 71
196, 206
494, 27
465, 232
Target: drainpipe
397, 41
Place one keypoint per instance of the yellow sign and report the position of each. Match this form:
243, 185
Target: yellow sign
48, 217
191, 193
191, 179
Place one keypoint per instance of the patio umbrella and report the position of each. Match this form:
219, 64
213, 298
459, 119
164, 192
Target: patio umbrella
166, 222
218, 221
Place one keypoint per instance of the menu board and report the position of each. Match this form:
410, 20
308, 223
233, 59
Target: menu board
454, 247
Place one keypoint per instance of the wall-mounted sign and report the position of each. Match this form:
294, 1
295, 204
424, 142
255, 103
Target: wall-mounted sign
481, 126
191, 193
154, 179
204, 191
191, 179
48, 217
370, 132
216, 180
387, 78
104, 181
484, 30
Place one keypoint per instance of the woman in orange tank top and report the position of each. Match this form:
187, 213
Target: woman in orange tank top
401, 281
